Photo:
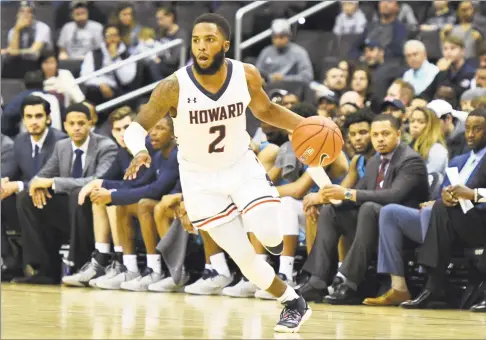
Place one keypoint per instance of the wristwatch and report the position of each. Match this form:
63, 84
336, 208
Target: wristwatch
348, 194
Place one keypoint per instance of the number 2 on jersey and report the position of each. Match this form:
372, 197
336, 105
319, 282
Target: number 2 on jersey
221, 129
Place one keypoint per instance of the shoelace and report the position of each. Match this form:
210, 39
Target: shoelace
85, 267
207, 273
289, 314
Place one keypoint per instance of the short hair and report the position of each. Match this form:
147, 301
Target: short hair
405, 85
479, 112
303, 109
390, 118
79, 107
35, 100
170, 122
479, 102
107, 26
360, 116
34, 80
146, 33
415, 43
218, 20
168, 10
453, 39
120, 113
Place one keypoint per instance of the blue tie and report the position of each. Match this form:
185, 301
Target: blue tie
78, 164
36, 159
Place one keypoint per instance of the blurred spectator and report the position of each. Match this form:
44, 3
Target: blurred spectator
25, 41
452, 128
454, 71
387, 31
349, 102
421, 72
481, 60
396, 108
64, 12
289, 100
81, 35
480, 79
401, 90
405, 15
108, 85
147, 42
169, 30
348, 68
351, 20
441, 16
124, 19
335, 80
284, 60
428, 140
327, 104
448, 94
58, 82
361, 83
469, 96
464, 29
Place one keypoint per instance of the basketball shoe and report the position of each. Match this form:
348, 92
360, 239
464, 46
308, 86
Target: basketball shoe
168, 285
294, 314
114, 282
112, 270
264, 295
211, 283
141, 283
243, 288
91, 270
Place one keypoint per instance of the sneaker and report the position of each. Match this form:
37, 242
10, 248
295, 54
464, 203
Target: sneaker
244, 288
264, 295
168, 285
111, 271
209, 285
114, 282
91, 270
336, 282
294, 314
141, 283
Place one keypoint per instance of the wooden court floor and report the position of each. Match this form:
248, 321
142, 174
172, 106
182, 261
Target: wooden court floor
52, 312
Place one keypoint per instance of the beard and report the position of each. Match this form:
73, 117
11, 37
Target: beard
215, 66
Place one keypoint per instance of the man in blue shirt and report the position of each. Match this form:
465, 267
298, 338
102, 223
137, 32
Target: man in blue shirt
421, 72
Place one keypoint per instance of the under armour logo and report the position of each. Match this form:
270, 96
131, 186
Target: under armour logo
189, 100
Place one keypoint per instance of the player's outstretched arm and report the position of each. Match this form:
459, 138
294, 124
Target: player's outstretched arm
263, 108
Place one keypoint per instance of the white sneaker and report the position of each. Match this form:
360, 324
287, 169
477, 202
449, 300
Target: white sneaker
168, 285
112, 270
90, 271
264, 295
141, 283
212, 285
116, 281
244, 288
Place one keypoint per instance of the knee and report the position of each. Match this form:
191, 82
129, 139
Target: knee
388, 215
263, 223
160, 210
370, 207
327, 211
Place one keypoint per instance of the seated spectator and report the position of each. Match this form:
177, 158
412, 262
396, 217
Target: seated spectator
401, 90
124, 20
289, 100
387, 31
361, 83
137, 199
470, 95
452, 127
428, 140
480, 78
335, 80
109, 85
351, 20
454, 71
397, 110
63, 13
284, 60
464, 29
25, 41
349, 102
440, 17
169, 30
59, 82
81, 35
405, 183
405, 16
327, 103
48, 209
420, 226
421, 72
147, 42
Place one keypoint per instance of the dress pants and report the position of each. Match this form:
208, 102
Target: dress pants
447, 227
44, 231
9, 221
359, 223
396, 222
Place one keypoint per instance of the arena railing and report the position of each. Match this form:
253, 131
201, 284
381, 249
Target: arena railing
137, 57
126, 97
240, 46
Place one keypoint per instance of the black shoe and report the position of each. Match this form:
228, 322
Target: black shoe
336, 282
294, 314
35, 277
344, 295
310, 293
425, 300
277, 250
480, 307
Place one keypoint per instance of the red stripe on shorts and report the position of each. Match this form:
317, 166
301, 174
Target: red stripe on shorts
272, 200
216, 217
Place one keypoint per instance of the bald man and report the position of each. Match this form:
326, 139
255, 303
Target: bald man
421, 72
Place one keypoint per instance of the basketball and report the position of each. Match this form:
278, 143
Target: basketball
317, 141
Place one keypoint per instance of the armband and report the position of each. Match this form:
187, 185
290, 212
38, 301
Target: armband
134, 138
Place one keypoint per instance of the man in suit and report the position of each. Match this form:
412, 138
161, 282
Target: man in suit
449, 225
48, 210
397, 174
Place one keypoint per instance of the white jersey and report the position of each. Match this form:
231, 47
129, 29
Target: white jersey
211, 128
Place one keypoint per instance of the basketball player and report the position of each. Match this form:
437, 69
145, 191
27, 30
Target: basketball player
226, 190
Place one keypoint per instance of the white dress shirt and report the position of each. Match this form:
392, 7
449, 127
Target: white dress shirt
471, 164
40, 143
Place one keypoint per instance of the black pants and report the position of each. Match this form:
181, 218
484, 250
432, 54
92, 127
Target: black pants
359, 224
9, 221
449, 227
44, 231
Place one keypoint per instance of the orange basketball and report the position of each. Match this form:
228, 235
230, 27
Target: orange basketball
317, 141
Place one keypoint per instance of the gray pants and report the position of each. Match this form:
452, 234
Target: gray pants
397, 222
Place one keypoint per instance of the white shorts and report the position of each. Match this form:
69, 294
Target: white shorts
291, 216
215, 198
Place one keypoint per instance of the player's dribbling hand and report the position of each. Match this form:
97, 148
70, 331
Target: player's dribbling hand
142, 158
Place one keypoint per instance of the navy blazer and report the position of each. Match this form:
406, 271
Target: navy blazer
24, 163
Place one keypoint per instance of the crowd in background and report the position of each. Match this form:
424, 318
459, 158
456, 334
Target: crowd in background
406, 117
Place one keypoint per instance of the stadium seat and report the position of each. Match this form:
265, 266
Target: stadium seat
295, 87
431, 40
10, 88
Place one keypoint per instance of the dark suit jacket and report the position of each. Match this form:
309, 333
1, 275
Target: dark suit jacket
406, 180
24, 163
101, 153
7, 157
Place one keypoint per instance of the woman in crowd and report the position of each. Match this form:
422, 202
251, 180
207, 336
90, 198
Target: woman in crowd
361, 83
124, 19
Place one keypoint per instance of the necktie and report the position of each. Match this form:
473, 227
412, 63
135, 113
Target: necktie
381, 173
78, 164
36, 159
